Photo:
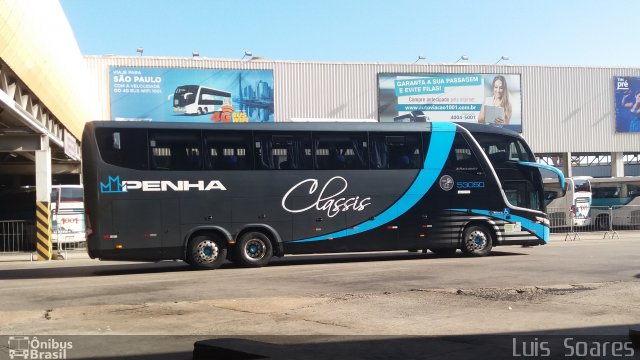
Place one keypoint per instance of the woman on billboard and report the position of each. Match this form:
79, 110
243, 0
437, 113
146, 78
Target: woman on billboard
496, 109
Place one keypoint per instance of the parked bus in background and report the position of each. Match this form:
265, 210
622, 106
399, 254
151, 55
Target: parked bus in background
616, 202
246, 192
67, 214
198, 100
572, 208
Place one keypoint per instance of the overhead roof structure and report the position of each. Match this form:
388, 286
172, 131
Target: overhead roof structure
45, 95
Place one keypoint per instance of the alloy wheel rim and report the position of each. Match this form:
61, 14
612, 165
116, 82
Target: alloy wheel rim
255, 249
476, 240
207, 251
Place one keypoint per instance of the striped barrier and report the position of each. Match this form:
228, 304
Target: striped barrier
44, 247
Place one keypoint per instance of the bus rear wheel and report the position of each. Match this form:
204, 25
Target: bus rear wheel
253, 249
206, 252
476, 241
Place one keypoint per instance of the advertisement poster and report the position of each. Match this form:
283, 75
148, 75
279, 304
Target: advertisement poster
191, 95
627, 95
482, 98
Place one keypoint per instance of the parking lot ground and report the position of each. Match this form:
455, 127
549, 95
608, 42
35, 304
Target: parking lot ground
586, 287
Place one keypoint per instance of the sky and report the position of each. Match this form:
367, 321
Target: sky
528, 32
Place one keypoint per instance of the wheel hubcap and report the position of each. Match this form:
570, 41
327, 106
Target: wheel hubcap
255, 249
476, 240
207, 251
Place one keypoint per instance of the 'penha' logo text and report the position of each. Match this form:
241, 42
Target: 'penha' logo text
115, 185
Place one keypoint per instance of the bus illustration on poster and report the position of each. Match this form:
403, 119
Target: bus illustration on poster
191, 95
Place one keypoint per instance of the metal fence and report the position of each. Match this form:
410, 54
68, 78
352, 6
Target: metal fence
17, 236
602, 219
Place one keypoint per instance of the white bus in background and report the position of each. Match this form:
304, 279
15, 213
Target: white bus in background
616, 201
574, 206
67, 214
198, 100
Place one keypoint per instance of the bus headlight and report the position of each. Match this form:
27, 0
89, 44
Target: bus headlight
543, 221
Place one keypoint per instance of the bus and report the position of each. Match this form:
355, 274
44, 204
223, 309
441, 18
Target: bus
198, 100
67, 214
246, 192
616, 202
570, 206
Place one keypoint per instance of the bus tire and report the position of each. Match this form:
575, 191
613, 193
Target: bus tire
444, 252
476, 240
253, 249
206, 252
602, 222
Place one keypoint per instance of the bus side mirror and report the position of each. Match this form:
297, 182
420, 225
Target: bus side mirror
564, 188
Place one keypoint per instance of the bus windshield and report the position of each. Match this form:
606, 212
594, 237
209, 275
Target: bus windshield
185, 95
522, 185
581, 185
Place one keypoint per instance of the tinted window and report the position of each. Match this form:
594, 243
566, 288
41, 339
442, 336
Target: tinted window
72, 194
462, 158
395, 150
123, 147
286, 151
522, 194
335, 151
228, 151
501, 148
175, 150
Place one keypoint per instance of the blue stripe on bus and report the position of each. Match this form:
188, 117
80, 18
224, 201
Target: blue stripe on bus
441, 141
537, 229
553, 169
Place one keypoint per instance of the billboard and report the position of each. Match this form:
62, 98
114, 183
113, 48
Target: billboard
483, 98
627, 97
191, 95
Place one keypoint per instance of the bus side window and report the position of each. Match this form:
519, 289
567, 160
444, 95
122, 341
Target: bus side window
462, 158
175, 150
283, 151
231, 151
395, 151
340, 151
123, 147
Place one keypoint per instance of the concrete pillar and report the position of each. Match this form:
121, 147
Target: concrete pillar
566, 164
44, 246
43, 171
617, 164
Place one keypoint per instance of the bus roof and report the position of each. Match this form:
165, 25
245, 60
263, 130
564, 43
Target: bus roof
482, 128
267, 126
297, 126
616, 179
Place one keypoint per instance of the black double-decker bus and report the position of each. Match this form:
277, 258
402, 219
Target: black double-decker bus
247, 192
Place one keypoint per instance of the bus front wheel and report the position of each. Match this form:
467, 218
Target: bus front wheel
476, 241
253, 249
206, 252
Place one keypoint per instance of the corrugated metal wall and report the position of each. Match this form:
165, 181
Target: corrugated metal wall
564, 109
